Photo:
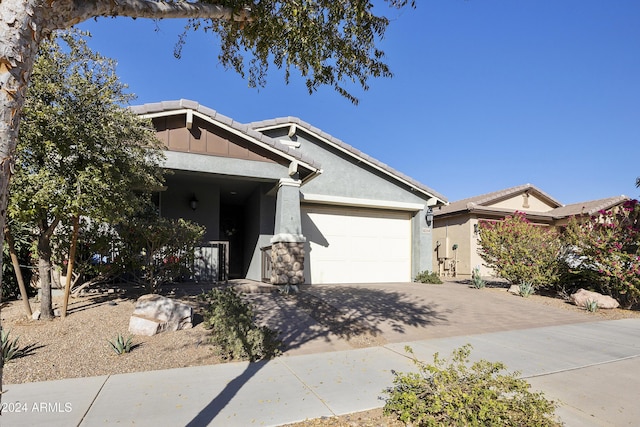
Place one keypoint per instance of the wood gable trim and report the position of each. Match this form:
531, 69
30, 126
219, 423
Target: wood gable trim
268, 151
204, 137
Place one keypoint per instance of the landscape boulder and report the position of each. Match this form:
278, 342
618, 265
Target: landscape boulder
514, 289
153, 314
583, 296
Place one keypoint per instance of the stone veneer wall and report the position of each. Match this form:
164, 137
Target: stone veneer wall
287, 262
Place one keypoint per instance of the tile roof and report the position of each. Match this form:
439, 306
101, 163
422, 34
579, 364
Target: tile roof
251, 130
285, 121
484, 199
479, 203
588, 208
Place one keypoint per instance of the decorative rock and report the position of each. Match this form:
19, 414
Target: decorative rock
582, 296
144, 326
154, 314
35, 315
514, 289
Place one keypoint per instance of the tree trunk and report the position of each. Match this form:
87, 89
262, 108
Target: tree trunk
18, 272
44, 270
71, 261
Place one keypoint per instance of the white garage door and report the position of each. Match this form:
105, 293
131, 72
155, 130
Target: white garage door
347, 245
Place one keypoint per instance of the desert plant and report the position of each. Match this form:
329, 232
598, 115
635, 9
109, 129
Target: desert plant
428, 277
604, 251
476, 280
450, 393
120, 345
10, 348
526, 288
591, 306
155, 250
518, 250
233, 329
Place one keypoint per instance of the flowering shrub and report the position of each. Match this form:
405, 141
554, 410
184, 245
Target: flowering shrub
605, 251
519, 251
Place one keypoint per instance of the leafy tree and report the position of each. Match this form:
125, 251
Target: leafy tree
604, 251
520, 251
329, 42
80, 152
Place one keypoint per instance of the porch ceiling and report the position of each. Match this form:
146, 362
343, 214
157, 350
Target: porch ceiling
233, 190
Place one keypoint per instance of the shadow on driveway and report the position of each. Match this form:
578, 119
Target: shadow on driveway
338, 317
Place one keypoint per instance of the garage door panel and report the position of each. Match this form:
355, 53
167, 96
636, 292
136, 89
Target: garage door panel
356, 245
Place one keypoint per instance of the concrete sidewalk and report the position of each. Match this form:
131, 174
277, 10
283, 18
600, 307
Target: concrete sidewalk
592, 367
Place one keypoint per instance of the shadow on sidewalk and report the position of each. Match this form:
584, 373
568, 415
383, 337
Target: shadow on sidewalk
209, 412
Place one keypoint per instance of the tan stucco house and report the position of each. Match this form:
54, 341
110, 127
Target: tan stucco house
455, 226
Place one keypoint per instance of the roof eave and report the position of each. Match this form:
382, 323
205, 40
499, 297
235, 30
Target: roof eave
438, 199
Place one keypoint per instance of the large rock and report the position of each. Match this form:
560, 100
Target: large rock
153, 314
582, 296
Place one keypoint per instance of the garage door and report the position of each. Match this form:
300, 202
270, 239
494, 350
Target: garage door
347, 245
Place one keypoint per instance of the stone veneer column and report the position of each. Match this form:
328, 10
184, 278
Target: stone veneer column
287, 245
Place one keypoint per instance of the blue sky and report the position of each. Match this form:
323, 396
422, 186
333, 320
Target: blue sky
486, 94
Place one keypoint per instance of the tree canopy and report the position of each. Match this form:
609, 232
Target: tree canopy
80, 152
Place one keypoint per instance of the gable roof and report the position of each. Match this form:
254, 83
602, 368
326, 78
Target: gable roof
253, 133
484, 200
350, 151
185, 106
482, 204
588, 208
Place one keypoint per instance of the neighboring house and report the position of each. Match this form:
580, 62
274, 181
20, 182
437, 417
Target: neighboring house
285, 202
455, 230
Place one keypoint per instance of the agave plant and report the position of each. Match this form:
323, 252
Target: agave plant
526, 289
120, 345
591, 306
10, 348
476, 280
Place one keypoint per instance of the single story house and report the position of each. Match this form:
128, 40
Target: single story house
285, 202
455, 230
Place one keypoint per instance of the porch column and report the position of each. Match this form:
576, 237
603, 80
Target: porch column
287, 244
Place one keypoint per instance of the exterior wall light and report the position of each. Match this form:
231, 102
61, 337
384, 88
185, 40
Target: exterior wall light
429, 216
193, 203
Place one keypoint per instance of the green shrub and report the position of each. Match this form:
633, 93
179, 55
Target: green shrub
428, 277
518, 250
154, 250
454, 394
120, 345
233, 328
476, 280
